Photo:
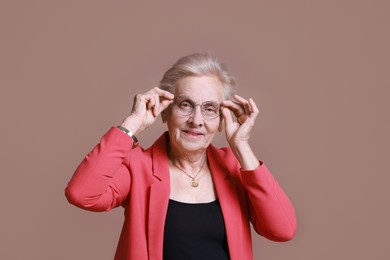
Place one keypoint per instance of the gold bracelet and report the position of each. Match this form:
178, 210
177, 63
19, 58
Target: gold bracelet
129, 133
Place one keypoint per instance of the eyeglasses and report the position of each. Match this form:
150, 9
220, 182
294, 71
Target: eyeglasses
185, 107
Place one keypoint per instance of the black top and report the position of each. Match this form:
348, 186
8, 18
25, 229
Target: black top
195, 231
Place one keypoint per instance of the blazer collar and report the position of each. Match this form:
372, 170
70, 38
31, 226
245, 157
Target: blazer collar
217, 162
160, 158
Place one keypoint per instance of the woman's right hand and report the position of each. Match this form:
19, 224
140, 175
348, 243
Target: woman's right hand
146, 108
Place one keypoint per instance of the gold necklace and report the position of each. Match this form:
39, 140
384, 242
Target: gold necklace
194, 183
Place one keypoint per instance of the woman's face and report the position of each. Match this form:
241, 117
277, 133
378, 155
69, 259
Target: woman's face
193, 133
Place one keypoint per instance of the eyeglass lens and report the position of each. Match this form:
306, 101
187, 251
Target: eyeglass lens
186, 106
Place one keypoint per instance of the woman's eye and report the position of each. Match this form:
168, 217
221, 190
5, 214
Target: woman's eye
210, 108
185, 105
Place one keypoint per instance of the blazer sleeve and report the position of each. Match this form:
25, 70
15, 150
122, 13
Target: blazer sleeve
271, 212
102, 181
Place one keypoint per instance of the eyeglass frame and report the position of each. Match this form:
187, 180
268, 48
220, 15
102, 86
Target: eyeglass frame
193, 104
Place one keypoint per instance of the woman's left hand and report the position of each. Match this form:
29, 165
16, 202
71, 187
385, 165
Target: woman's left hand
238, 132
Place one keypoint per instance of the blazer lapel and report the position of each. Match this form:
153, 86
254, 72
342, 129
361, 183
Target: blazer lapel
227, 195
159, 197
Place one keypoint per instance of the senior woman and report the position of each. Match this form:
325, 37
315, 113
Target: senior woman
183, 197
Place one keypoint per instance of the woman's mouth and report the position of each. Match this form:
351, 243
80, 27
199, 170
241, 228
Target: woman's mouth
192, 133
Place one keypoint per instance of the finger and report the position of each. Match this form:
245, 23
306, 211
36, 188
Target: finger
164, 104
250, 120
236, 108
149, 102
227, 116
156, 107
163, 93
238, 111
253, 105
244, 103
248, 108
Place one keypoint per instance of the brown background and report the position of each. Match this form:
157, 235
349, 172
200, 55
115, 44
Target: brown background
319, 71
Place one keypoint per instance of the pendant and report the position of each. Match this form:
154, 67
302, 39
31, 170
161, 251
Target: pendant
194, 183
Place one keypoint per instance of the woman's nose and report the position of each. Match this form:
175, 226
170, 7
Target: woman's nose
196, 117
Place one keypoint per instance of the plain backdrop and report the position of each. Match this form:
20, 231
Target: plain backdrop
319, 71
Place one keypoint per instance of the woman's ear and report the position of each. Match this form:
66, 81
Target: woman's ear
221, 122
164, 116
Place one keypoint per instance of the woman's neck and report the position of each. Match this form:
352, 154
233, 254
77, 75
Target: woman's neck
186, 160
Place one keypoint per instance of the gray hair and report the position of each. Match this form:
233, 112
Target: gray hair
198, 64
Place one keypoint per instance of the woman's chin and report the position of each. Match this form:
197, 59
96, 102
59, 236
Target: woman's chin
192, 145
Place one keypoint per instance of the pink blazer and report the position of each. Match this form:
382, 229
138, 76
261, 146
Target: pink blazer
113, 175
